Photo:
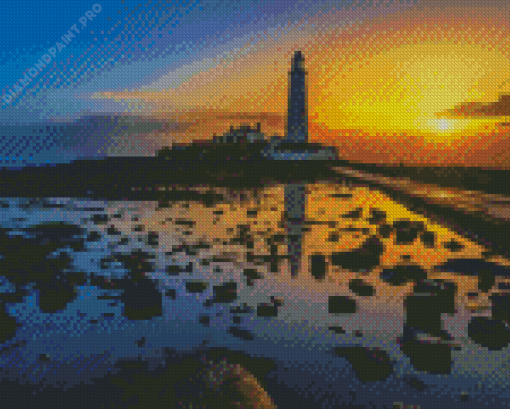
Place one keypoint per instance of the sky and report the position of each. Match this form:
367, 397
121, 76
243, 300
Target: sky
408, 81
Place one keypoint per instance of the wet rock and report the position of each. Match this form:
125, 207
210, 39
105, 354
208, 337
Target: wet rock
359, 287
333, 237
236, 320
337, 329
489, 333
453, 245
339, 304
100, 218
251, 213
137, 263
245, 309
113, 231
406, 257
139, 228
363, 259
428, 238
503, 286
123, 241
267, 310
370, 365
432, 358
415, 383
252, 274
485, 271
464, 396
377, 216
55, 295
402, 274
500, 306
225, 293
93, 236
384, 231
153, 239
171, 292
141, 342
175, 270
205, 320
8, 325
43, 357
142, 300
318, 266
407, 231
353, 214
243, 334
196, 286
439, 293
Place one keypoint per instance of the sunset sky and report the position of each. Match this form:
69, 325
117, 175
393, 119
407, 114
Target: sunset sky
388, 82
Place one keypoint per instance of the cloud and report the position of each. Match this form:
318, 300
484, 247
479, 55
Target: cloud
499, 108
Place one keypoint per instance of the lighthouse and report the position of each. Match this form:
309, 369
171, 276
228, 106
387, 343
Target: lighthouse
297, 109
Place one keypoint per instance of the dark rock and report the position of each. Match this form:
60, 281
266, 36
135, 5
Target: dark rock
241, 333
123, 241
113, 231
359, 287
432, 358
196, 286
353, 214
171, 293
503, 286
363, 259
407, 231
415, 383
152, 239
453, 245
251, 213
93, 236
333, 237
225, 293
205, 320
267, 310
339, 304
100, 218
406, 257
370, 365
55, 295
377, 216
318, 266
175, 270
489, 333
500, 306
141, 342
43, 358
139, 228
236, 319
137, 263
402, 274
245, 309
337, 329
252, 274
439, 293
8, 325
384, 231
142, 300
428, 238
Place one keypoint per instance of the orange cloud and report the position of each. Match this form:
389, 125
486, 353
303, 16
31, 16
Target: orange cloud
501, 107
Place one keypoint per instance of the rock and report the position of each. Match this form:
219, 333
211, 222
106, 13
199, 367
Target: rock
428, 238
369, 364
384, 231
337, 329
245, 309
333, 237
93, 236
152, 238
363, 259
432, 358
353, 214
267, 310
43, 357
225, 293
359, 287
377, 216
205, 320
113, 231
243, 334
453, 245
55, 295
415, 383
8, 325
407, 231
252, 274
100, 218
500, 306
142, 300
318, 266
439, 293
175, 270
504, 286
402, 274
171, 293
489, 333
141, 342
196, 286
339, 304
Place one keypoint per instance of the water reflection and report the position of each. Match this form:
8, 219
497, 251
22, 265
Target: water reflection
295, 206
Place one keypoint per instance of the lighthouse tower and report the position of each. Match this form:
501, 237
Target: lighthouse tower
297, 110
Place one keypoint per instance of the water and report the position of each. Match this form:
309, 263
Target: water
275, 231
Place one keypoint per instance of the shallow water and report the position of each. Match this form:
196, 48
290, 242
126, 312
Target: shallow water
274, 231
